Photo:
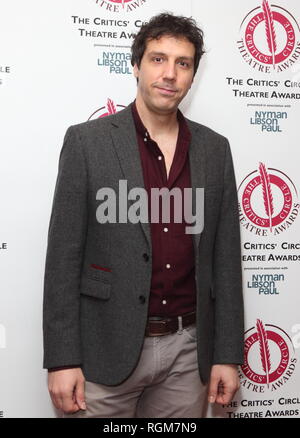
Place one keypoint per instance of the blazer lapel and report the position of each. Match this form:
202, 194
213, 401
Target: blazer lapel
197, 168
125, 142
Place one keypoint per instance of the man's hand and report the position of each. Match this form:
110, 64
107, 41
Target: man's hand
66, 388
224, 382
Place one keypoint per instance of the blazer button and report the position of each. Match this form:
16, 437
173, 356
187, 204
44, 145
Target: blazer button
146, 257
142, 299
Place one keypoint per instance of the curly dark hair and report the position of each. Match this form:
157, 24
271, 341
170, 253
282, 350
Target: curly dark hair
167, 24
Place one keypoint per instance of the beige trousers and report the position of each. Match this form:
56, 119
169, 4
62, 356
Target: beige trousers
164, 384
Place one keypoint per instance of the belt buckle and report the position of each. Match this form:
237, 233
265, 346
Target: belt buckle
165, 321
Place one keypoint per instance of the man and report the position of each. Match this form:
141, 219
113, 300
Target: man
143, 319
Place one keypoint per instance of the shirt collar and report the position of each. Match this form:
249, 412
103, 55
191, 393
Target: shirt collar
184, 133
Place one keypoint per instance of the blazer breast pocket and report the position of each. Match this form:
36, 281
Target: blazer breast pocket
100, 273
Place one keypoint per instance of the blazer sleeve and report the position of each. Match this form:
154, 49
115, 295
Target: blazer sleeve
65, 246
227, 275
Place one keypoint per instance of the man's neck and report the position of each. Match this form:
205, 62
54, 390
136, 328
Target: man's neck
157, 124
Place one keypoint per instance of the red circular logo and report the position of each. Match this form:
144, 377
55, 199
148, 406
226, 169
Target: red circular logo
265, 188
273, 53
267, 373
269, 38
267, 201
267, 356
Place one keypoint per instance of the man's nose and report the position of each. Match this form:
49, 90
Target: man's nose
170, 71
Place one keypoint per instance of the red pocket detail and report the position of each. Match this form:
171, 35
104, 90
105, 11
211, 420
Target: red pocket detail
101, 268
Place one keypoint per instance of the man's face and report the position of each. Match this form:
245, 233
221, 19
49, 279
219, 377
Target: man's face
166, 73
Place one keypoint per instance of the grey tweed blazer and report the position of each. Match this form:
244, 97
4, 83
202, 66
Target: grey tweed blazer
96, 318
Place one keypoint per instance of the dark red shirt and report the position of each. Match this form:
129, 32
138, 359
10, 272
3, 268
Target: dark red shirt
173, 286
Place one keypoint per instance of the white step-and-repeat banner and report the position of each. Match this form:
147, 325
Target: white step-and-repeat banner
64, 62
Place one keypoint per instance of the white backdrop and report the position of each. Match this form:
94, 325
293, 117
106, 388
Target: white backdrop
63, 62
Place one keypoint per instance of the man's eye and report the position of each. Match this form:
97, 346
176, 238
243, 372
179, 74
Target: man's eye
184, 64
157, 59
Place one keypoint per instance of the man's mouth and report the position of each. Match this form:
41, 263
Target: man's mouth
167, 90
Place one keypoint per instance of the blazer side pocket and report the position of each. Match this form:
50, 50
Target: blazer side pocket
96, 289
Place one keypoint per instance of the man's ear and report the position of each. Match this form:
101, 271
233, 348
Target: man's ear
136, 71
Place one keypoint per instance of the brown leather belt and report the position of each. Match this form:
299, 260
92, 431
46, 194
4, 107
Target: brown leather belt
166, 326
